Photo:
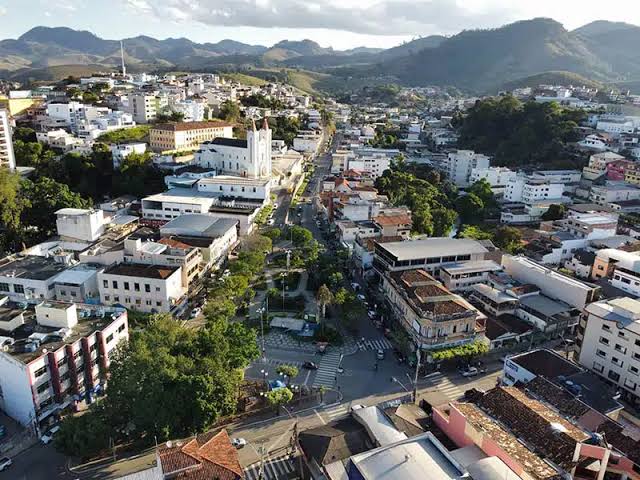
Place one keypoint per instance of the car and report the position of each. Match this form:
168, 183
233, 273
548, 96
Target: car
310, 365
371, 314
5, 462
469, 372
271, 222
275, 206
195, 312
49, 434
361, 297
238, 442
357, 406
355, 286
380, 354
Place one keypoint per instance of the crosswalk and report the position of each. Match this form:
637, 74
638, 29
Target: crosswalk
375, 344
274, 469
277, 363
327, 370
446, 386
336, 412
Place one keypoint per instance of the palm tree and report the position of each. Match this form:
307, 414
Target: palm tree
325, 297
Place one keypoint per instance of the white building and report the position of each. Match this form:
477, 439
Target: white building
145, 288
551, 283
593, 142
121, 151
528, 191
250, 158
598, 162
373, 161
73, 113
145, 107
80, 224
307, 142
497, 177
461, 163
63, 362
613, 192
609, 344
30, 278
214, 236
7, 157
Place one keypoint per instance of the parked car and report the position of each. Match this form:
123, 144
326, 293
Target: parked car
310, 365
380, 354
371, 314
469, 372
355, 286
5, 462
271, 222
238, 442
49, 434
195, 312
361, 297
357, 406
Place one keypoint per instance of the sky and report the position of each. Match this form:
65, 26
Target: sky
340, 24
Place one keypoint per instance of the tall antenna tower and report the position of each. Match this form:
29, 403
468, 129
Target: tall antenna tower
124, 69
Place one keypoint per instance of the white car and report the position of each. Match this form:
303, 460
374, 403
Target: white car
361, 297
271, 222
195, 312
49, 434
469, 372
238, 442
357, 406
5, 462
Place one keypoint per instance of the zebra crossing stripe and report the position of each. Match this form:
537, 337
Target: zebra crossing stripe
273, 469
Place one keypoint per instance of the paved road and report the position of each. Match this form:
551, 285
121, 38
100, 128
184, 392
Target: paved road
38, 463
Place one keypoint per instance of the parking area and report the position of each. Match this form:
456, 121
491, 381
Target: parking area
14, 438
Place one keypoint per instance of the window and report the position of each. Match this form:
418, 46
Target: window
148, 302
158, 304
598, 367
634, 370
105, 283
629, 384
615, 376
604, 340
41, 371
147, 288
77, 354
157, 289
606, 327
620, 348
136, 287
65, 376
617, 361
601, 353
114, 284
110, 338
18, 288
126, 285
107, 298
62, 361
80, 369
43, 388
4, 287
93, 347
121, 328
116, 298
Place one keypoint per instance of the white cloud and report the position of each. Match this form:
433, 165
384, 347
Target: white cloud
3, 11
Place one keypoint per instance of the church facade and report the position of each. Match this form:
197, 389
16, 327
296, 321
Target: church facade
250, 158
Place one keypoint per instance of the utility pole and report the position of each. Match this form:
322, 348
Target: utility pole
415, 378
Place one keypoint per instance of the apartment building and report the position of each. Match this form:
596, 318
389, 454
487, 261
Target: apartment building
145, 106
497, 177
597, 166
525, 189
56, 357
7, 157
464, 275
460, 165
146, 288
432, 315
613, 192
608, 341
176, 137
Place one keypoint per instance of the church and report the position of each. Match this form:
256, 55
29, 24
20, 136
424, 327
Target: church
250, 158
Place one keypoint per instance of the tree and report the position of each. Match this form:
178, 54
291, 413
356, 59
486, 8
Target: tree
482, 189
42, 199
24, 134
11, 207
28, 154
167, 381
342, 296
279, 396
300, 236
274, 234
555, 212
470, 208
335, 279
508, 239
288, 370
324, 297
475, 232
230, 111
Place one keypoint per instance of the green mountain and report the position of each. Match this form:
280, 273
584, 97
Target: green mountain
474, 60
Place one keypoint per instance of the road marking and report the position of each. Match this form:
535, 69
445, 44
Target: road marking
273, 445
320, 417
306, 379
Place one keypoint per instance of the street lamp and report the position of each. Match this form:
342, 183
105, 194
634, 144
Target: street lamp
261, 311
395, 380
284, 282
285, 378
265, 374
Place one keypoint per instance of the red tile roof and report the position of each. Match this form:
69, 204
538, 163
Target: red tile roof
205, 457
173, 243
400, 219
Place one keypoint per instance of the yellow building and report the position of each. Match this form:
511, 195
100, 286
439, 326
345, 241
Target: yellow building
176, 137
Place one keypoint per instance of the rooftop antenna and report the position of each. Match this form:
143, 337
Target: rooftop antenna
124, 69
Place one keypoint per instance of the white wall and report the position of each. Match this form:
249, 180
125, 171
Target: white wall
16, 399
